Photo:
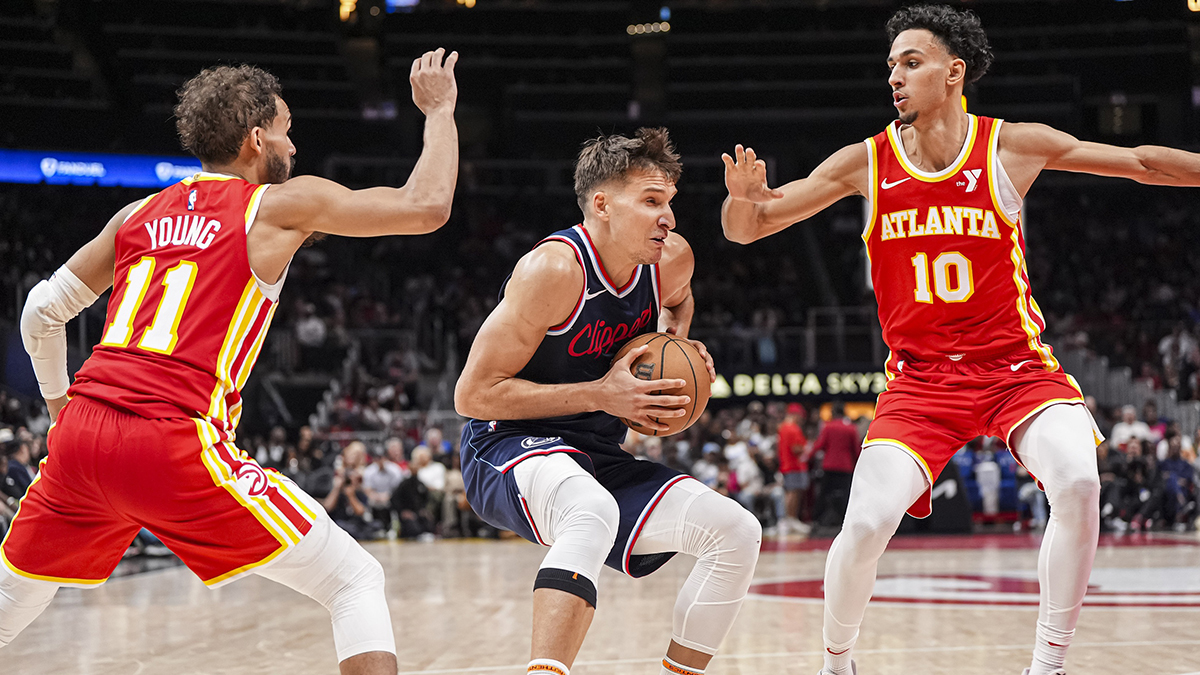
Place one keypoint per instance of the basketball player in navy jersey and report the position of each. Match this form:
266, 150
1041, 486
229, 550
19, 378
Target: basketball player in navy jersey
541, 456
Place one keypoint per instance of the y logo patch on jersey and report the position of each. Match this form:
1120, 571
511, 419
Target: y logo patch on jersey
192, 200
972, 178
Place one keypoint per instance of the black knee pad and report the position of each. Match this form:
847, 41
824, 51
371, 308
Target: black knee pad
569, 582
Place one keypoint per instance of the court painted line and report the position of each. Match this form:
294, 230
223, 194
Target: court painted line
778, 655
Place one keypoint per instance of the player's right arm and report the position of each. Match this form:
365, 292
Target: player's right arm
55, 301
543, 291
753, 210
308, 204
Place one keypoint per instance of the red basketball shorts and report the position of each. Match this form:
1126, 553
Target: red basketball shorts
931, 409
110, 473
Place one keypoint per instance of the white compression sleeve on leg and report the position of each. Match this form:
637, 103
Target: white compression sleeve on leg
575, 515
48, 307
21, 601
724, 537
333, 569
1059, 448
886, 482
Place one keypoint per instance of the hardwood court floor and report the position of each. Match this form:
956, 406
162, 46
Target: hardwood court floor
962, 605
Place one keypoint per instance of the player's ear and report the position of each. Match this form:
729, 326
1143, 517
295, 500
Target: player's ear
600, 204
957, 72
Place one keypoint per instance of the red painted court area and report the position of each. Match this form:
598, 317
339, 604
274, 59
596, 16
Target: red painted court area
943, 542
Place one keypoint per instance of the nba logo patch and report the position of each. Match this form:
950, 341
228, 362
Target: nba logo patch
192, 200
492, 425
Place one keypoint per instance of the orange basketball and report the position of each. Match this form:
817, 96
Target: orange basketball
670, 357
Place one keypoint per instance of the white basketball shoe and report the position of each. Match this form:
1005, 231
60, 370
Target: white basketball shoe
854, 670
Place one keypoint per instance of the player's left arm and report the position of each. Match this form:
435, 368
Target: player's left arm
55, 301
1037, 146
678, 304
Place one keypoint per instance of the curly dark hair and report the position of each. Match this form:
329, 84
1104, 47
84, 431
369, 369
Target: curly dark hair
218, 108
606, 157
960, 32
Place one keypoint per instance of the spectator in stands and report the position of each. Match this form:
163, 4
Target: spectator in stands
706, 469
1157, 425
12, 488
380, 479
458, 519
1129, 428
19, 472
273, 453
1139, 489
411, 502
1178, 488
839, 444
437, 446
1112, 468
346, 501
792, 450
1175, 348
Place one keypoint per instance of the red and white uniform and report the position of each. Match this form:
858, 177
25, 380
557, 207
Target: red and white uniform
147, 437
947, 254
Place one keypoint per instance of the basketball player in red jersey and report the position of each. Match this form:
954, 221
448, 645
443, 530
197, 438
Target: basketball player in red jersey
947, 254
147, 439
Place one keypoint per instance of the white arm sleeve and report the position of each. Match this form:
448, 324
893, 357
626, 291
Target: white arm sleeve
48, 308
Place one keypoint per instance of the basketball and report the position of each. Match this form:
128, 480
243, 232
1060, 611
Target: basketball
670, 357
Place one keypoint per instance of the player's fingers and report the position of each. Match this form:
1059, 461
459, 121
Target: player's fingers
728, 161
664, 385
760, 165
750, 156
650, 422
416, 67
667, 400
427, 60
740, 153
659, 412
627, 360
438, 55
776, 193
451, 60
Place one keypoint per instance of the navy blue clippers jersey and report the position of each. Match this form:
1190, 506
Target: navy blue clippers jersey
582, 348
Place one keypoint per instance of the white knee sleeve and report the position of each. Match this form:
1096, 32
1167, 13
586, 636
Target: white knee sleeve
575, 516
333, 569
725, 539
21, 601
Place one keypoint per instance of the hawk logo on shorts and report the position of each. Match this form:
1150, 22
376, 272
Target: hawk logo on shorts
534, 441
251, 480
644, 371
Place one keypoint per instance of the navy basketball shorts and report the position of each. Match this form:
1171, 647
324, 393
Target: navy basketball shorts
488, 457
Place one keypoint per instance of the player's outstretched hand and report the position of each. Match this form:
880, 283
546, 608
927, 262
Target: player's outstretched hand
433, 82
746, 177
624, 395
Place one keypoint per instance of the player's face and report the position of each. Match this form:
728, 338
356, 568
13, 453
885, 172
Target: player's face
278, 151
641, 215
920, 73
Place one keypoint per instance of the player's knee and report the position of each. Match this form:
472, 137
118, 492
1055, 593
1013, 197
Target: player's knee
592, 512
739, 530
862, 529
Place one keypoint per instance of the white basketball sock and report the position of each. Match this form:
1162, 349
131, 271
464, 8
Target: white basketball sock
547, 667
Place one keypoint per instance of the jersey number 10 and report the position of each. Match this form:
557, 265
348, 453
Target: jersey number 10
162, 334
952, 279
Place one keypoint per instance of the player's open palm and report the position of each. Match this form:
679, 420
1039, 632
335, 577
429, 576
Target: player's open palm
746, 176
433, 82
624, 395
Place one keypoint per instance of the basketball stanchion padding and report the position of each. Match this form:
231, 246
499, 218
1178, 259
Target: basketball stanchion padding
670, 357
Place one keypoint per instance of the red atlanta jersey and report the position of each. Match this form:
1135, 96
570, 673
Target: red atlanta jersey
947, 259
187, 317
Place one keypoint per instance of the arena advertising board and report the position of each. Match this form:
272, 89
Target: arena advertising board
851, 385
92, 168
